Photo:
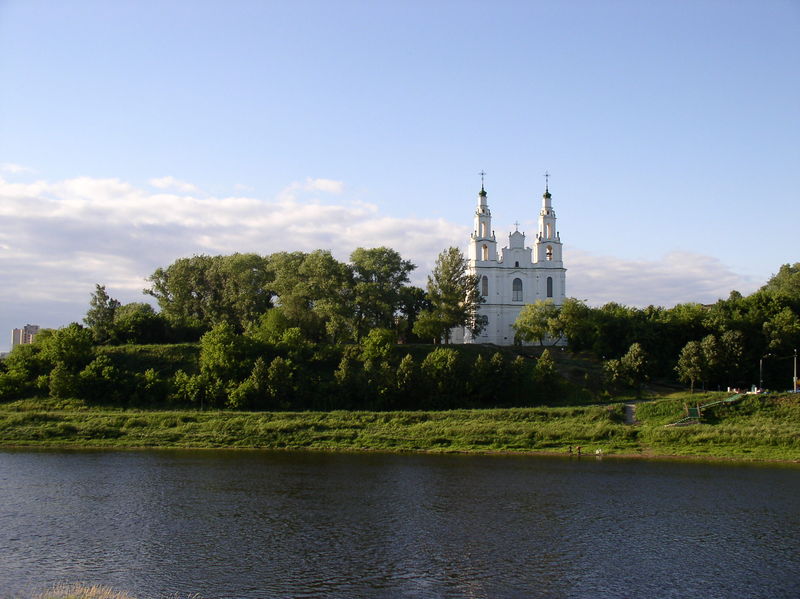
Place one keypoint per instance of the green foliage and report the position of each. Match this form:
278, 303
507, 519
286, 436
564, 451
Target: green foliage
378, 345
691, 363
379, 277
100, 316
199, 292
537, 322
225, 355
72, 347
138, 323
454, 299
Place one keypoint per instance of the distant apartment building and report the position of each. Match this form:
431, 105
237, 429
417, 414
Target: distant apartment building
24, 335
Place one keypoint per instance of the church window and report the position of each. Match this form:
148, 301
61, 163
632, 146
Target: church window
483, 230
516, 264
485, 252
485, 286
549, 286
549, 253
516, 288
549, 232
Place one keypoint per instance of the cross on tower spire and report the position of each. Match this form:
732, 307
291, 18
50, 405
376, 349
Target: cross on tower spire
546, 181
482, 174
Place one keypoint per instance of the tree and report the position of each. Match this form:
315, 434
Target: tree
198, 292
379, 276
100, 316
72, 346
732, 343
691, 363
783, 330
454, 297
786, 283
544, 373
442, 373
713, 359
537, 322
575, 323
634, 365
224, 355
137, 322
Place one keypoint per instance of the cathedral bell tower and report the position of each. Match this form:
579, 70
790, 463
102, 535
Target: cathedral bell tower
483, 246
547, 250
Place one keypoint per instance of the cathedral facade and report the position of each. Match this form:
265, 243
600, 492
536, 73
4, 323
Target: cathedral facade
515, 275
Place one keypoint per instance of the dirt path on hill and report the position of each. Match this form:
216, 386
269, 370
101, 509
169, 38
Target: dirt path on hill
630, 413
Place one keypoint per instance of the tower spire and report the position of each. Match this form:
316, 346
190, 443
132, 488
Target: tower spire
482, 174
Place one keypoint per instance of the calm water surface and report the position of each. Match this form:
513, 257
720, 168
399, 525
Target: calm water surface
232, 524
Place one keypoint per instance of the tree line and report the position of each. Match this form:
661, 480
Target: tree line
721, 345
296, 330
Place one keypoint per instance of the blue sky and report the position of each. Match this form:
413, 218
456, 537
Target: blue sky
133, 133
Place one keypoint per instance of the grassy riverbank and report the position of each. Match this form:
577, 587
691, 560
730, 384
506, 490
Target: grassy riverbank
761, 428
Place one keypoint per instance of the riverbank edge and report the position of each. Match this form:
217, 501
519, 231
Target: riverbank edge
599, 430
649, 455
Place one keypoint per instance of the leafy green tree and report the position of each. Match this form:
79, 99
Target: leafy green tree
71, 346
137, 322
379, 276
454, 297
378, 345
407, 382
635, 367
783, 331
576, 324
252, 393
64, 383
224, 355
732, 346
199, 292
442, 371
100, 381
100, 316
713, 359
538, 322
544, 373
281, 385
691, 363
786, 283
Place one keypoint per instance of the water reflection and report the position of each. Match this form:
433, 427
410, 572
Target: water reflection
261, 524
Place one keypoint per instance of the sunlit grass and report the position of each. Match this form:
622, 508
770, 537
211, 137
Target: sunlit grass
758, 427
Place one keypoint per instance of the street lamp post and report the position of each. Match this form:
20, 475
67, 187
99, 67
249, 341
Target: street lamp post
761, 371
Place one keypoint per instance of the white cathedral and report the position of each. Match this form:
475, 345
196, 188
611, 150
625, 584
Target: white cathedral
514, 276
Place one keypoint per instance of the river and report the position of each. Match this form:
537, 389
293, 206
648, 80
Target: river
258, 524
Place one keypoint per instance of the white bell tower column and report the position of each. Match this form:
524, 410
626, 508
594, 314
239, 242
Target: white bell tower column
483, 246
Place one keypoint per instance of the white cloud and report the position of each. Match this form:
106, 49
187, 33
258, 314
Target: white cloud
325, 185
678, 277
174, 184
14, 169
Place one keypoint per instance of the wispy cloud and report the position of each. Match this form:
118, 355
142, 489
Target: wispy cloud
678, 277
174, 184
14, 169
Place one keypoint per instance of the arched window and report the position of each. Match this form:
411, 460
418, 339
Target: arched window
516, 288
549, 252
485, 286
483, 230
485, 252
549, 286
